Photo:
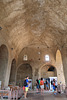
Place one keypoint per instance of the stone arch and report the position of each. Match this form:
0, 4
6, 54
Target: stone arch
43, 71
3, 62
22, 71
12, 79
59, 66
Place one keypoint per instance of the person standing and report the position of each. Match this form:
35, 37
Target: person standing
37, 85
51, 84
42, 86
26, 87
47, 85
56, 86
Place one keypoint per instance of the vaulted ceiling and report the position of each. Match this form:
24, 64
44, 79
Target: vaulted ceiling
33, 23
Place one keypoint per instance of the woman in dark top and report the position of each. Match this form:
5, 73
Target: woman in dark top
37, 85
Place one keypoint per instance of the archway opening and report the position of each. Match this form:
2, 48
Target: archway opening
51, 68
48, 71
3, 62
12, 79
23, 71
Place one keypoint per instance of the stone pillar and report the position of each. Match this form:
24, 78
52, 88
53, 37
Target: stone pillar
33, 76
39, 73
60, 74
59, 68
13, 72
64, 59
7, 73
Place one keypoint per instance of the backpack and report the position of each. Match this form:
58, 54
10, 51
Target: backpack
25, 83
46, 82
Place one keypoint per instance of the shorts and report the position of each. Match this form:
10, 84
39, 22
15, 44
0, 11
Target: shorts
26, 89
37, 86
42, 86
47, 85
23, 88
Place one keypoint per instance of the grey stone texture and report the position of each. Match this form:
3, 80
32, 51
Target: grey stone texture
29, 27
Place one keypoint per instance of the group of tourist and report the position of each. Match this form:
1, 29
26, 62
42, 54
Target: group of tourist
39, 86
41, 83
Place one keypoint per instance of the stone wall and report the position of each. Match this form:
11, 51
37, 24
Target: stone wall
38, 63
23, 71
33, 27
46, 74
12, 79
3, 62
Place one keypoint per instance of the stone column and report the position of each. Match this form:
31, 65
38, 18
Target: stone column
60, 74
33, 76
64, 59
13, 72
59, 68
7, 73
